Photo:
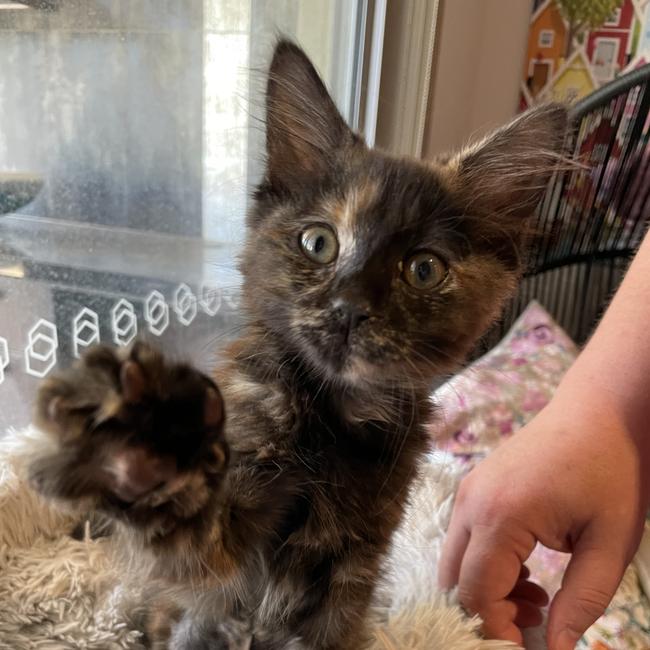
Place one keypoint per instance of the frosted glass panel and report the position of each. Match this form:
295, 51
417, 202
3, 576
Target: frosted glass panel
130, 138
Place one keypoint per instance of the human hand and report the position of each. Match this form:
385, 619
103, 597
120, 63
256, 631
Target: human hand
572, 479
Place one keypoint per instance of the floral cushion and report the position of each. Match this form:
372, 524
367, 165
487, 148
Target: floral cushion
494, 397
502, 391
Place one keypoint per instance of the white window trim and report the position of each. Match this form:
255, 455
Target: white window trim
546, 32
407, 79
617, 47
374, 71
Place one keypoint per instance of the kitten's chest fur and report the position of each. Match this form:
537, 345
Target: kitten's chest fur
344, 458
338, 466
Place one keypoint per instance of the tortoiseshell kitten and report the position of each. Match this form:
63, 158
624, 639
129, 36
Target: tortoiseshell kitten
366, 278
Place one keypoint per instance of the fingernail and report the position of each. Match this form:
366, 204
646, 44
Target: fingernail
567, 640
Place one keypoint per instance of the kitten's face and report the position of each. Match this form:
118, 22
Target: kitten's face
369, 266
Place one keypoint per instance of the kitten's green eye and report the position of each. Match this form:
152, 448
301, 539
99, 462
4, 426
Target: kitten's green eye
319, 244
424, 270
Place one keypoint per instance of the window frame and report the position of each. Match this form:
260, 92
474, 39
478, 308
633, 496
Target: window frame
546, 32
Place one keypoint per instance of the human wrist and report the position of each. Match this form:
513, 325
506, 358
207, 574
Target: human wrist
588, 391
590, 409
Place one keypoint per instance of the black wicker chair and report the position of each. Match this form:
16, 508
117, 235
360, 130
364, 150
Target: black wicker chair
591, 221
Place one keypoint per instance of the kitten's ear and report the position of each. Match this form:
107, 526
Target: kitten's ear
304, 130
506, 173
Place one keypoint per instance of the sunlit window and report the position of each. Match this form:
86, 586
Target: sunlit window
131, 134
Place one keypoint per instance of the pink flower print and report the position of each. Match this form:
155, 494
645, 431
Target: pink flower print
464, 437
553, 365
524, 345
505, 427
543, 333
465, 459
490, 388
510, 378
501, 419
534, 401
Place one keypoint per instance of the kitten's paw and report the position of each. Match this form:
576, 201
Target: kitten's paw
137, 436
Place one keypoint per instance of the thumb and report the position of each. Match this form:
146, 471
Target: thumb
589, 584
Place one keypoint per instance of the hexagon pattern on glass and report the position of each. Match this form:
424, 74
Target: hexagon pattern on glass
156, 313
42, 345
124, 322
185, 304
85, 330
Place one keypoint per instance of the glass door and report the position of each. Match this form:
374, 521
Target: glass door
130, 139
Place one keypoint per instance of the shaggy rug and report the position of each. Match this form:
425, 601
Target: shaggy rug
58, 593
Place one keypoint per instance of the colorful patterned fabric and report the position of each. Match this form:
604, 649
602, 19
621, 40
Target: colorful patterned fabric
502, 391
493, 398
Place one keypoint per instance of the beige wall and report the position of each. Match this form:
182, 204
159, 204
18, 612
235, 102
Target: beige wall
477, 70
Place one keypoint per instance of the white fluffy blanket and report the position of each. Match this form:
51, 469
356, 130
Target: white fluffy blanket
57, 593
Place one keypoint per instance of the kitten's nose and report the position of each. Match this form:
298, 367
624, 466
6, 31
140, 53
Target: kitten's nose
351, 314
356, 315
